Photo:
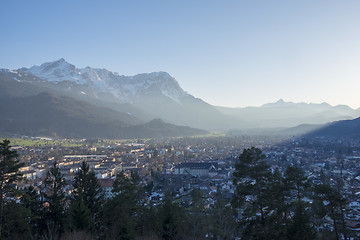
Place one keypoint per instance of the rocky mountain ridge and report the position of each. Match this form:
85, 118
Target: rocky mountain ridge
154, 95
125, 88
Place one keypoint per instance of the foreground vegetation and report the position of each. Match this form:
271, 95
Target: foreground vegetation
267, 204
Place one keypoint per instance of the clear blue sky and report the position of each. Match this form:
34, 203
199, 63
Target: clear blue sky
229, 53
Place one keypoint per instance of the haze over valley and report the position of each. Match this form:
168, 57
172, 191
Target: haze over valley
106, 100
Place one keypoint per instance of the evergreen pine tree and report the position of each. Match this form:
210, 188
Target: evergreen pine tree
279, 206
300, 227
30, 199
121, 212
54, 202
297, 182
223, 219
298, 185
16, 225
252, 196
173, 220
331, 202
80, 218
88, 191
9, 173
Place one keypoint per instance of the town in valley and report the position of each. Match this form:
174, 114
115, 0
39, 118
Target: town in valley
180, 165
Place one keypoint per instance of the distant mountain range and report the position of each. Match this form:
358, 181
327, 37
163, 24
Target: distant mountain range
55, 98
289, 114
145, 96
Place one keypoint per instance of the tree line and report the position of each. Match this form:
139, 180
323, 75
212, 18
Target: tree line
267, 204
287, 205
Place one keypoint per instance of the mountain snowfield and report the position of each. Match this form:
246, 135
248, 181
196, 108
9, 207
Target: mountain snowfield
125, 88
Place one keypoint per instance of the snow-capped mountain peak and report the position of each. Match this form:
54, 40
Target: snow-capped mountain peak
161, 81
52, 67
56, 71
125, 88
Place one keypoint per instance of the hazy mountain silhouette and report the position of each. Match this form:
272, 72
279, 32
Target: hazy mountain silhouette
289, 114
49, 115
345, 128
158, 95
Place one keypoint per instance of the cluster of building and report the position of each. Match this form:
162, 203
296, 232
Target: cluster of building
182, 165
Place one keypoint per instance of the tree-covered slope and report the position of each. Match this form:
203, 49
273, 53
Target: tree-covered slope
49, 115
